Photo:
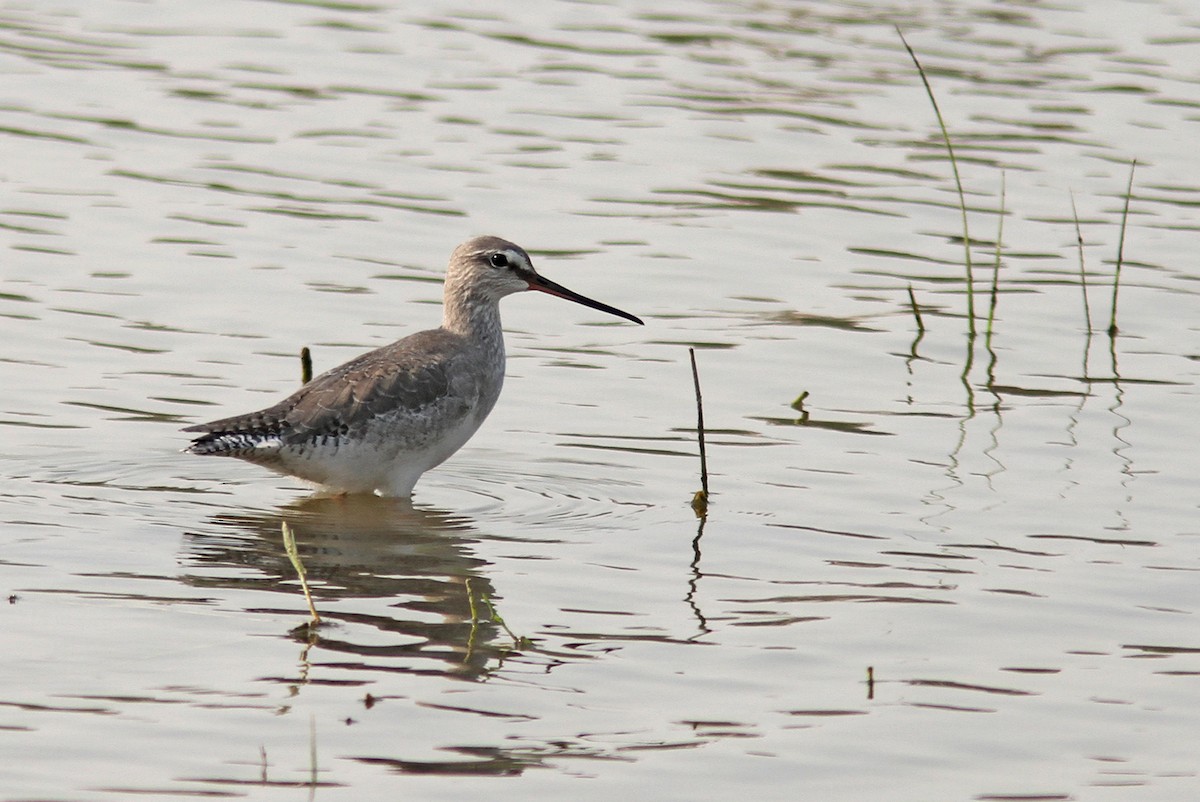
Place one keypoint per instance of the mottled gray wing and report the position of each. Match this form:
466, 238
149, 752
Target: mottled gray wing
411, 374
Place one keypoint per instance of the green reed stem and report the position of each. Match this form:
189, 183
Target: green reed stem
1087, 310
962, 199
996, 267
293, 553
916, 310
1112, 321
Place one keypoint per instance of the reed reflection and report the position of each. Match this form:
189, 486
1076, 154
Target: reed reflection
419, 561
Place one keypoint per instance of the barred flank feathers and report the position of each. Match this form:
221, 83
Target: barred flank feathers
233, 443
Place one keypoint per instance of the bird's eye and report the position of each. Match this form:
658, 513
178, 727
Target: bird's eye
498, 260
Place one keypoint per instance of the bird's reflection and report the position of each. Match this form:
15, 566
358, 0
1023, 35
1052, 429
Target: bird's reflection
358, 552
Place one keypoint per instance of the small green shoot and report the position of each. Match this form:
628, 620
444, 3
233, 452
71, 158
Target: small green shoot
798, 405
519, 641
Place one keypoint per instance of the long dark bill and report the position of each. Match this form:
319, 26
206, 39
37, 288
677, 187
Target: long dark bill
543, 284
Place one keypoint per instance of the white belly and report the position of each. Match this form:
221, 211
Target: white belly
381, 462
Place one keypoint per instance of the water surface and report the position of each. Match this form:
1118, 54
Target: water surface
962, 570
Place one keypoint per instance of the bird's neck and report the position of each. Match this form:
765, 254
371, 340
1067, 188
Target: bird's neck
478, 319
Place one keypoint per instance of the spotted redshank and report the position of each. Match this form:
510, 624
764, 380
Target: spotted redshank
378, 422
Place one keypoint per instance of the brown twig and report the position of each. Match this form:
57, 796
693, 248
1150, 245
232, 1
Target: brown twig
700, 500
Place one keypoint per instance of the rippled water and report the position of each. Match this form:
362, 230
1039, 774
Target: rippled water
961, 570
